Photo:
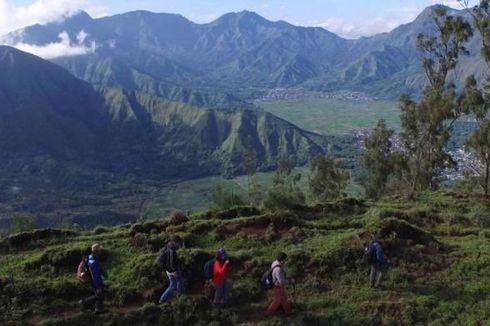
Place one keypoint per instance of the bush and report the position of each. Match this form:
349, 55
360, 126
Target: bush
178, 217
139, 240
481, 215
100, 230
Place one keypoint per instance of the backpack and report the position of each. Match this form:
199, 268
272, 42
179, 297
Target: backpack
369, 256
267, 280
208, 269
162, 259
83, 272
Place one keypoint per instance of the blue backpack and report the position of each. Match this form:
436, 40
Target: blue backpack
208, 269
369, 256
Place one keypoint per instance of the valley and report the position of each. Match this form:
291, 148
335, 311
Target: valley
334, 116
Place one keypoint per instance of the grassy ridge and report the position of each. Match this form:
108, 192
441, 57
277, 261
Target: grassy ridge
439, 244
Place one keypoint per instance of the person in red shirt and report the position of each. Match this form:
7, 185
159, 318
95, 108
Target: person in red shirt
222, 283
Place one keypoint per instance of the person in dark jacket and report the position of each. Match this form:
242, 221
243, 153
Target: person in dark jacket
221, 281
95, 301
169, 259
380, 262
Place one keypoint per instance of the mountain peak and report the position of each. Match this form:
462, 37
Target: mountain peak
248, 17
429, 11
78, 17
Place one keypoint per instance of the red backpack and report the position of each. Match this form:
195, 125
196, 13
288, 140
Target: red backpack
83, 272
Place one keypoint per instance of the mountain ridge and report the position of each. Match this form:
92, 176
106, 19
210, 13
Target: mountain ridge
47, 112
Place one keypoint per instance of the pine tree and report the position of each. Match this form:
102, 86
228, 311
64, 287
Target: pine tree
328, 180
476, 101
426, 124
378, 160
250, 167
285, 192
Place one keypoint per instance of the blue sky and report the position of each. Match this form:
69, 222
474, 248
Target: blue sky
351, 19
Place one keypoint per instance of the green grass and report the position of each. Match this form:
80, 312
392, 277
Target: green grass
431, 283
333, 116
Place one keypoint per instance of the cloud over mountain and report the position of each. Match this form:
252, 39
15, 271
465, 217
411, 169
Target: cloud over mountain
64, 48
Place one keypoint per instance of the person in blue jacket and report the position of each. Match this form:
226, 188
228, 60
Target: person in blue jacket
95, 301
379, 263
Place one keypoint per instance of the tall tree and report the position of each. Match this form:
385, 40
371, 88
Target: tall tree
328, 180
476, 100
250, 167
285, 192
426, 124
378, 160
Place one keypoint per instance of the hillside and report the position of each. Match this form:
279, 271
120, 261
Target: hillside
239, 56
438, 243
48, 112
70, 149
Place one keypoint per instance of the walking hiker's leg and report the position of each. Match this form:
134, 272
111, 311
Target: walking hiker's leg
99, 303
227, 291
276, 301
88, 303
372, 276
286, 306
379, 277
216, 294
170, 290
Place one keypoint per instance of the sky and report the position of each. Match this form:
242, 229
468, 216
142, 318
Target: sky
350, 19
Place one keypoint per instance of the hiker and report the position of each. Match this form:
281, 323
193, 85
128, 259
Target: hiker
221, 282
96, 301
377, 261
279, 296
169, 261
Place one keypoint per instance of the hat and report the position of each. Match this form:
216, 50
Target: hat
96, 247
221, 253
281, 256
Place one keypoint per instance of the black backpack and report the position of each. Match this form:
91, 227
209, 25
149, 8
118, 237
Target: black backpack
267, 280
161, 260
369, 256
208, 269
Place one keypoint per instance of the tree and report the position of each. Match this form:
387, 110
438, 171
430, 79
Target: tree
223, 199
476, 101
426, 124
378, 160
22, 223
285, 192
328, 180
250, 167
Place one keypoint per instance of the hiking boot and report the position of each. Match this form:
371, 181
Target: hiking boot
83, 306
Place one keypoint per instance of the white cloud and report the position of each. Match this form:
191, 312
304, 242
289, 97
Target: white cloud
387, 21
64, 48
349, 29
42, 12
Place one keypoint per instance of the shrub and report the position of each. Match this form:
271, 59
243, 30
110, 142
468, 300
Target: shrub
139, 240
178, 217
100, 230
481, 215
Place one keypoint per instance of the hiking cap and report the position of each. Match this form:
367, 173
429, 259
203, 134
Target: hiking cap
282, 256
222, 253
96, 247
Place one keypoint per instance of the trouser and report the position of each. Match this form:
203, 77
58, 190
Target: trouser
175, 284
95, 301
222, 292
279, 299
376, 275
